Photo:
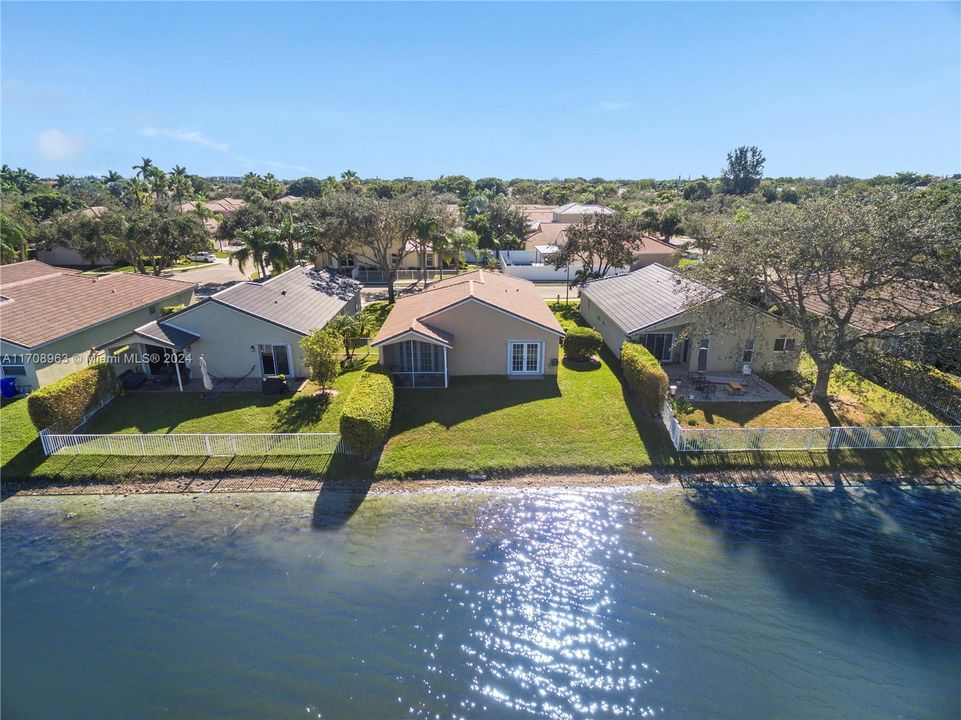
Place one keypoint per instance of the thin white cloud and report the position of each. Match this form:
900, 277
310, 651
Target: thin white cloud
55, 144
190, 136
611, 106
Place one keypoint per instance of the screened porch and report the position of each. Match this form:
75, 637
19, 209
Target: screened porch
416, 364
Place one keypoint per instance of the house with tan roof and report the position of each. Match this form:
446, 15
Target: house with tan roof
52, 319
249, 330
478, 323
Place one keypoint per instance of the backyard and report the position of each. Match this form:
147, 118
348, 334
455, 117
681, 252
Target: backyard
855, 401
580, 420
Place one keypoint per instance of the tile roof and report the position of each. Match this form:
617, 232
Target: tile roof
30, 270
223, 206
301, 299
45, 303
882, 308
642, 298
512, 295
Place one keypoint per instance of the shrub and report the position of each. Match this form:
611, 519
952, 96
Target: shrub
368, 411
62, 404
644, 376
582, 343
322, 356
171, 309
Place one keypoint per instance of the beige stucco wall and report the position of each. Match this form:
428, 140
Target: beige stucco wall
226, 337
613, 336
73, 351
668, 258
725, 351
61, 255
480, 339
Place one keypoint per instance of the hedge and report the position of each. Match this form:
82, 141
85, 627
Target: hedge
644, 376
582, 343
62, 404
368, 411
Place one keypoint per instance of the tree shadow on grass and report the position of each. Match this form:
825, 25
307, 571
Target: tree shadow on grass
300, 412
465, 399
882, 557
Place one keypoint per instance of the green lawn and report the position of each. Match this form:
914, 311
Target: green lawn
580, 420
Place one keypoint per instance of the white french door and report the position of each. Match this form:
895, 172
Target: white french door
525, 358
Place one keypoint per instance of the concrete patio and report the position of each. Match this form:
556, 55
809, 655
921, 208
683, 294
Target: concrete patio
758, 389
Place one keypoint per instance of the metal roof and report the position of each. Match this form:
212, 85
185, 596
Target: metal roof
165, 334
301, 299
642, 298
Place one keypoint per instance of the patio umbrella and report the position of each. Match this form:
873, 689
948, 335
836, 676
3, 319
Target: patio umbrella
208, 383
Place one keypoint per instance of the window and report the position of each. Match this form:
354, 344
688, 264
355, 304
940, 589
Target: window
748, 354
429, 262
784, 345
13, 366
659, 344
524, 358
347, 261
274, 359
152, 310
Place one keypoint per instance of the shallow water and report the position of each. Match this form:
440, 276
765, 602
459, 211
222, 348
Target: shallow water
773, 603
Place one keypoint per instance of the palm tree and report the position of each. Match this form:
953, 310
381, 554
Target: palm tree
260, 247
144, 168
63, 181
112, 176
13, 237
292, 235
179, 171
350, 179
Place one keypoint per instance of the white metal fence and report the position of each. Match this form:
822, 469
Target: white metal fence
908, 437
209, 444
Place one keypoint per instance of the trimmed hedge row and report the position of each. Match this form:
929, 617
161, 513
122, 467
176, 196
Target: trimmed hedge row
644, 376
582, 343
367, 413
62, 404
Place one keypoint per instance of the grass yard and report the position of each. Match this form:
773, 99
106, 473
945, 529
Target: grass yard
580, 420
22, 456
855, 401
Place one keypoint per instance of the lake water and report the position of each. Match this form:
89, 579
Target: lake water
674, 603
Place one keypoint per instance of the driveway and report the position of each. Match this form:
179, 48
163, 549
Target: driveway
210, 278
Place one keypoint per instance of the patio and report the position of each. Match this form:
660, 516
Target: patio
714, 387
227, 385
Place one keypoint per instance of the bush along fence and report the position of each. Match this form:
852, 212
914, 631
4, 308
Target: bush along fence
890, 437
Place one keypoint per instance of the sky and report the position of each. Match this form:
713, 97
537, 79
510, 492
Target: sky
536, 90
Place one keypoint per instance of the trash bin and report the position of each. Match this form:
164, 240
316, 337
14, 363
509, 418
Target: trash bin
8, 387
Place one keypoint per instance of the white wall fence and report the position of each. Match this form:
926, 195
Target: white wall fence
896, 437
197, 444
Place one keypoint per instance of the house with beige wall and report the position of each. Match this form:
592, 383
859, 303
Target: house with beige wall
651, 306
53, 319
249, 330
478, 323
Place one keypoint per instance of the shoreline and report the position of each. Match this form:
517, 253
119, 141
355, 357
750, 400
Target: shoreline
274, 483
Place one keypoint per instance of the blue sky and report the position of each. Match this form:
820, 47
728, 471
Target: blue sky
531, 90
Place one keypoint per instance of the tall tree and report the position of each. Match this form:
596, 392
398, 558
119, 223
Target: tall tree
600, 243
112, 176
261, 247
144, 168
13, 237
381, 231
93, 237
350, 180
847, 270
432, 222
161, 236
744, 170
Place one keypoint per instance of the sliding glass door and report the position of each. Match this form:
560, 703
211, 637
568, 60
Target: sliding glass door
274, 359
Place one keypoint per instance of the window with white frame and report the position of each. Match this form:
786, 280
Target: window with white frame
784, 345
274, 359
347, 261
525, 358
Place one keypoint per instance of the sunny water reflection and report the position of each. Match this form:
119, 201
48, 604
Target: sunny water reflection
549, 603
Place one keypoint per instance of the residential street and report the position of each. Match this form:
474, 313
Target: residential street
210, 278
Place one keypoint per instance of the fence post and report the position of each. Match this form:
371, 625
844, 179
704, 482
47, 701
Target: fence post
207, 445
143, 447
233, 443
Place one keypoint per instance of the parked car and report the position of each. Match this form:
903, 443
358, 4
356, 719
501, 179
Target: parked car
203, 256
